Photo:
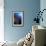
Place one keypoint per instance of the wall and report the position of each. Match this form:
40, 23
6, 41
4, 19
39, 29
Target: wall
1, 20
43, 6
30, 7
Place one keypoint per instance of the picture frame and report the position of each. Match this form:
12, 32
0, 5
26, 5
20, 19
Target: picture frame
17, 18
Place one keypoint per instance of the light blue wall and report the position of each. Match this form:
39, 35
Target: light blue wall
30, 7
43, 6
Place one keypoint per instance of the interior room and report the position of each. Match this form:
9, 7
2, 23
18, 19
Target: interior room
22, 23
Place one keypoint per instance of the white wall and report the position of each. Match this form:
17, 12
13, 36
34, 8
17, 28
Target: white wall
1, 20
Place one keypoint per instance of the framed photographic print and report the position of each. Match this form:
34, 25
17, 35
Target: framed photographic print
18, 18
